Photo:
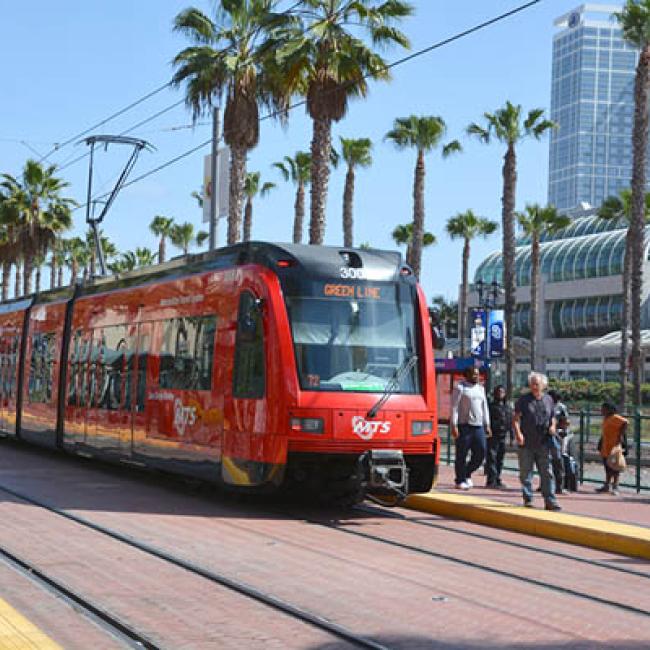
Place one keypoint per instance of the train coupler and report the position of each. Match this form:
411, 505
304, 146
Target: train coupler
385, 476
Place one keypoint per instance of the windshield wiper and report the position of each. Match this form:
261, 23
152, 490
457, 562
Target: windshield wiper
394, 383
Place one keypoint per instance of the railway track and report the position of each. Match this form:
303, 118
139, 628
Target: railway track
108, 622
376, 511
485, 567
132, 637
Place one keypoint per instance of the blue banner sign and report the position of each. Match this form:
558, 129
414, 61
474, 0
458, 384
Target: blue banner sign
496, 336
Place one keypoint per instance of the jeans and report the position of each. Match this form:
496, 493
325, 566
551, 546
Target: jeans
496, 450
470, 439
555, 453
539, 456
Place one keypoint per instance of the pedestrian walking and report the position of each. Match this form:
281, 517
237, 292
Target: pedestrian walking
501, 425
613, 433
534, 424
470, 425
556, 440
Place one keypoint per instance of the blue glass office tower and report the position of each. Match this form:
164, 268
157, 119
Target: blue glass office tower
592, 100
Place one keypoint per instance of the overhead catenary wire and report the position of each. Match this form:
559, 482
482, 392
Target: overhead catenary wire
302, 102
58, 146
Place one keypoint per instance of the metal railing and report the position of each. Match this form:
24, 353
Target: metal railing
586, 428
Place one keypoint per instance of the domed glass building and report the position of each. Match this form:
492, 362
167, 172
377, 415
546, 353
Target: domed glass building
580, 294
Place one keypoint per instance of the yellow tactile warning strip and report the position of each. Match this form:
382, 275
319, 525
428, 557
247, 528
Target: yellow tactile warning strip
624, 539
17, 633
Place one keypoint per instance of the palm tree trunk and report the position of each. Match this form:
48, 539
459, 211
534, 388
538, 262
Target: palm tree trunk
625, 322
92, 260
59, 280
321, 149
6, 275
637, 222
37, 283
348, 198
27, 276
248, 219
236, 190
534, 297
508, 226
418, 215
161, 250
18, 279
462, 307
299, 208
74, 269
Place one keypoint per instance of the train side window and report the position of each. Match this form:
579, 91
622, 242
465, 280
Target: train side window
249, 372
143, 360
41, 368
187, 353
113, 361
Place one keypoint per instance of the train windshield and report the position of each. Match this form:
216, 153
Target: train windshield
354, 338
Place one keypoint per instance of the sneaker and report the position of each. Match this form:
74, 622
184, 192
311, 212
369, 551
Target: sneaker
462, 486
603, 488
554, 507
501, 485
615, 491
559, 491
469, 482
528, 503
492, 485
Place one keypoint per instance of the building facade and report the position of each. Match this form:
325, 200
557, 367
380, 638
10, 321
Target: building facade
580, 296
592, 101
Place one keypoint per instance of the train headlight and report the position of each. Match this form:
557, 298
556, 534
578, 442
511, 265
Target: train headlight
307, 425
421, 428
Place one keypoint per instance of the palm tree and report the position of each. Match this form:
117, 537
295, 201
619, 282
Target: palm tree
230, 58
201, 238
403, 236
182, 236
251, 189
77, 256
325, 59
447, 315
467, 226
161, 227
620, 207
535, 222
57, 261
43, 212
356, 153
423, 134
635, 22
507, 127
9, 222
298, 171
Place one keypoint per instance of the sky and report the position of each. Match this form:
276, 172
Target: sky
66, 65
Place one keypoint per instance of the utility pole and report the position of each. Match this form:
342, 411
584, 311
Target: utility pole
214, 201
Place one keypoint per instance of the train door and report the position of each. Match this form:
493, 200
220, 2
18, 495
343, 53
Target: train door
10, 392
140, 336
78, 385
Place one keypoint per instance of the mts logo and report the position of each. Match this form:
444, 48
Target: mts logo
366, 429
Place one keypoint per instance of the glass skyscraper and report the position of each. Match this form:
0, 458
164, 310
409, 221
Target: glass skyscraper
592, 100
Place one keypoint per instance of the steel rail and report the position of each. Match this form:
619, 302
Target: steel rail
219, 578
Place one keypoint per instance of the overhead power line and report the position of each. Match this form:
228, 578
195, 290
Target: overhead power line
76, 137
394, 64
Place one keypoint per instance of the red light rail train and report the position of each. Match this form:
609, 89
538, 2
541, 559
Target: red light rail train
257, 366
